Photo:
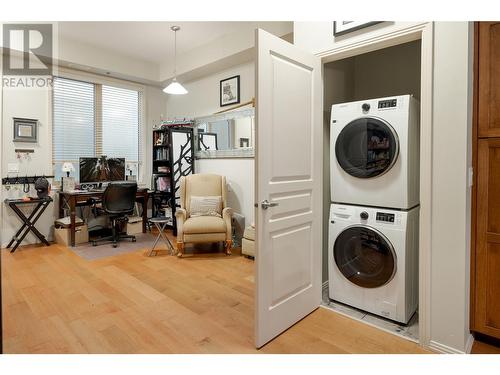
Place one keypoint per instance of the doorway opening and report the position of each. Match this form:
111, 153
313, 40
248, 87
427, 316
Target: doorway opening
387, 72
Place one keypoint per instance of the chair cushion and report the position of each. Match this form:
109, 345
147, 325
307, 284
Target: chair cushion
206, 206
204, 224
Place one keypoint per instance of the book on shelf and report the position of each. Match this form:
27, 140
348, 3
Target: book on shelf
161, 154
160, 139
162, 183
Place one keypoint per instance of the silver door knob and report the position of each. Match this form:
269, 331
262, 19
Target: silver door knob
265, 204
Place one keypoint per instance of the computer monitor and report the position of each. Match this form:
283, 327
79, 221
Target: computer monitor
102, 169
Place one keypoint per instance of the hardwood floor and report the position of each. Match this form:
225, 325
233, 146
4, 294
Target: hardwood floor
56, 302
485, 345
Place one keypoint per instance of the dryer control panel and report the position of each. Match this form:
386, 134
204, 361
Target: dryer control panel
386, 217
391, 103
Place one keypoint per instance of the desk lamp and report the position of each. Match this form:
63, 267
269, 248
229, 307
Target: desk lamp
68, 183
67, 167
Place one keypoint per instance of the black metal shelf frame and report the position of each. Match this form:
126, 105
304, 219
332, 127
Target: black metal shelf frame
182, 166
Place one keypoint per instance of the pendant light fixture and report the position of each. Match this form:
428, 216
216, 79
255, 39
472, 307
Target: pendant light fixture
175, 88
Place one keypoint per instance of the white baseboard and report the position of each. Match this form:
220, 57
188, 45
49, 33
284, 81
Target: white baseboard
445, 349
468, 345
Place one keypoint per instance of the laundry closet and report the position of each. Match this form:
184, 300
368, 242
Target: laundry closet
371, 187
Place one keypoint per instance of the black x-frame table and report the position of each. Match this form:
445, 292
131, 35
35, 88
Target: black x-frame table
28, 222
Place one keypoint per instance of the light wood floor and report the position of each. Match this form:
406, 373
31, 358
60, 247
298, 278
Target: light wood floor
56, 302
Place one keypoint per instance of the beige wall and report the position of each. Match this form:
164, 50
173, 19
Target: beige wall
202, 100
451, 147
388, 72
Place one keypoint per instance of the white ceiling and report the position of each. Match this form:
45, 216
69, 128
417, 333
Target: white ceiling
153, 41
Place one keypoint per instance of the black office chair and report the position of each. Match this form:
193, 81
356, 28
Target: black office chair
118, 201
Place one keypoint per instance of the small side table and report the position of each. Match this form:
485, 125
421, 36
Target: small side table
161, 223
28, 222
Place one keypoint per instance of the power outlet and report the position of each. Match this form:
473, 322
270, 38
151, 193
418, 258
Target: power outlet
13, 168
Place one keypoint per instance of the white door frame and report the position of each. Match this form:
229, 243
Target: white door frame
421, 31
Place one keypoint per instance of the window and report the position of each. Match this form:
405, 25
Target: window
93, 120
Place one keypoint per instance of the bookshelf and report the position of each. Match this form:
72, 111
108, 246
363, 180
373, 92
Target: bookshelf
173, 157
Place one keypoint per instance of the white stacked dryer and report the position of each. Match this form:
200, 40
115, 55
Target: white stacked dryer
374, 152
373, 236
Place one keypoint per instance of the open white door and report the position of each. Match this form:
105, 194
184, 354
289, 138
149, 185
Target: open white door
288, 184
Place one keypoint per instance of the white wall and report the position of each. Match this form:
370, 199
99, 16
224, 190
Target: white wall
155, 107
450, 256
317, 37
29, 103
452, 149
35, 103
240, 178
101, 61
203, 100
227, 46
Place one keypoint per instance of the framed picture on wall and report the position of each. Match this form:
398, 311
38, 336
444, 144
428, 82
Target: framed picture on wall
230, 91
25, 130
344, 27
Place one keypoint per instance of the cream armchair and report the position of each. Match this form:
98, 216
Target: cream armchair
202, 228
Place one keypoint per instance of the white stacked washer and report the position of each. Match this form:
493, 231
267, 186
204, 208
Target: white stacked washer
373, 260
373, 237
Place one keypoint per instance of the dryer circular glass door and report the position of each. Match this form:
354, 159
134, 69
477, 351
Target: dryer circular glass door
365, 256
367, 147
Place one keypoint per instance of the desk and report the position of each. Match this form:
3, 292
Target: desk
69, 200
28, 222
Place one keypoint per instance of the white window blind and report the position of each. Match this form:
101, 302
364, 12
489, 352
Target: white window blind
73, 122
120, 124
93, 120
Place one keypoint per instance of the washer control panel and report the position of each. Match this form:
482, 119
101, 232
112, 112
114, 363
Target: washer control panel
391, 103
385, 217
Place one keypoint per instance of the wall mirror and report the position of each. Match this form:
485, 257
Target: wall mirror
225, 135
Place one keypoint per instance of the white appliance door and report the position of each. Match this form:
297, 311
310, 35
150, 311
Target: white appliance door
288, 175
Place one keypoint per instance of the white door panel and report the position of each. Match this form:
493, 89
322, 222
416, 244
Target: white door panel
288, 174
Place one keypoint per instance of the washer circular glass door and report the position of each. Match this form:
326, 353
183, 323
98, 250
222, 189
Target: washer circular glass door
367, 147
365, 256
